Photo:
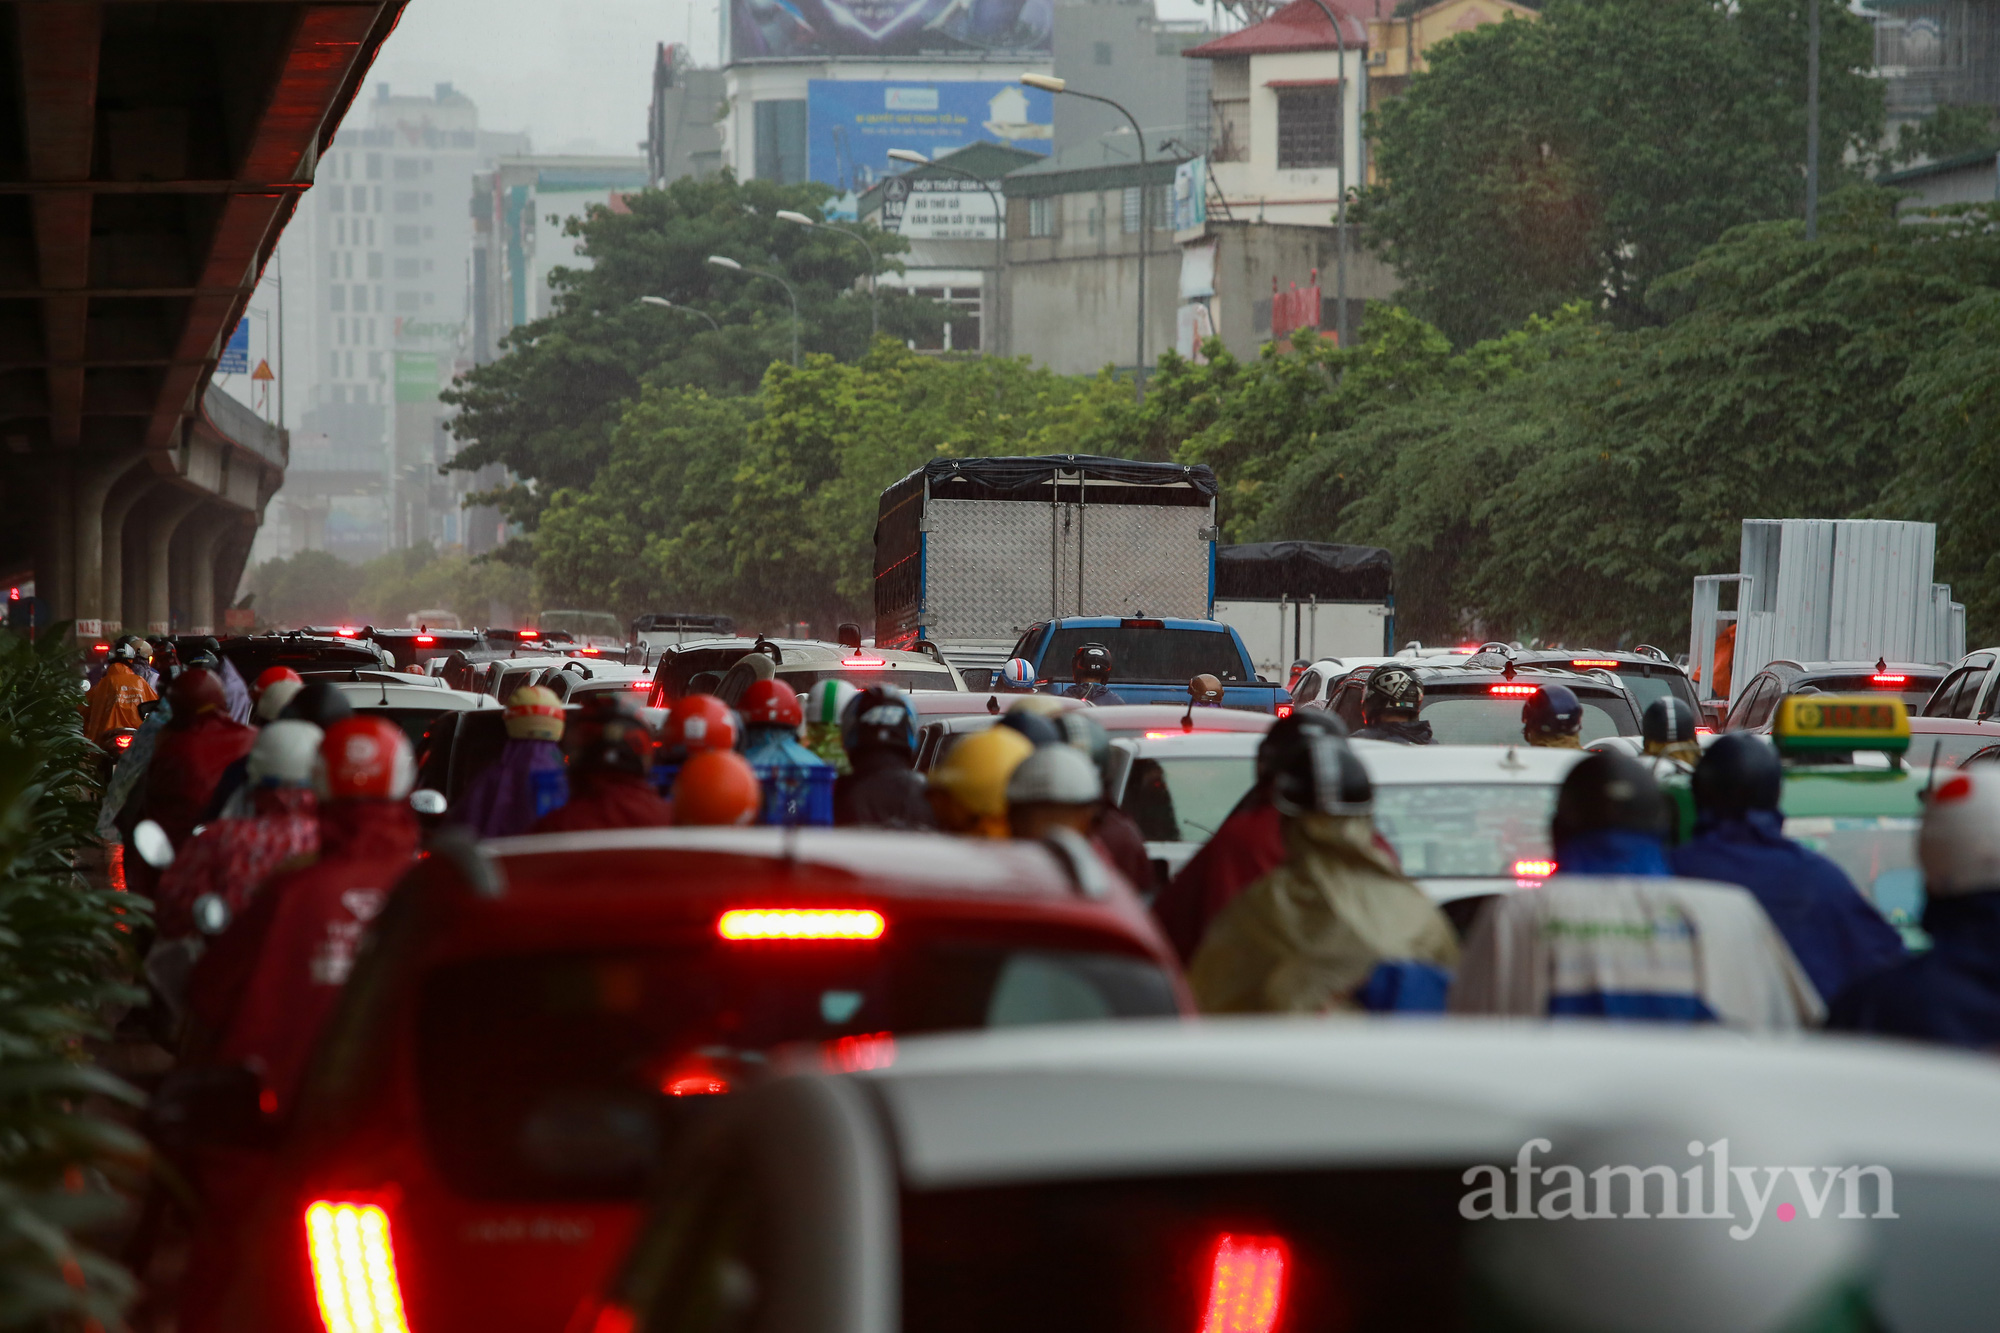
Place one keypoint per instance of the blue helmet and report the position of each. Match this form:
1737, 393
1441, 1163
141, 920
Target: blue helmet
1553, 710
880, 717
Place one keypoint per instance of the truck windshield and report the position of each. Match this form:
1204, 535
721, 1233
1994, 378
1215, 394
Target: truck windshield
1148, 656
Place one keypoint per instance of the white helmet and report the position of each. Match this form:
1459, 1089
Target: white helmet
1055, 775
825, 702
1959, 846
284, 755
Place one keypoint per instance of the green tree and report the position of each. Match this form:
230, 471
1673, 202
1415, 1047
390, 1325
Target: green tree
1584, 155
547, 407
310, 588
1948, 131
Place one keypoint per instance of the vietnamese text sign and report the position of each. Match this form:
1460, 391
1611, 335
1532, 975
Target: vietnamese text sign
236, 352
416, 377
940, 209
852, 124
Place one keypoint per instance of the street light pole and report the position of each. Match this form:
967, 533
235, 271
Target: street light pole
724, 261
999, 228
874, 264
665, 304
1340, 183
1812, 120
1049, 83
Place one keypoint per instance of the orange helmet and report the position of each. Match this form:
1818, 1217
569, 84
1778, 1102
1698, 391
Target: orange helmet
771, 703
700, 722
716, 787
366, 757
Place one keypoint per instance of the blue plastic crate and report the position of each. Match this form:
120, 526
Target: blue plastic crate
795, 796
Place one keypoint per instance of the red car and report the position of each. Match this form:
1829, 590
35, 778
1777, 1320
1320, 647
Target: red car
532, 1023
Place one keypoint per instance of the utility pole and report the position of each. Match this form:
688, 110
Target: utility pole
1812, 120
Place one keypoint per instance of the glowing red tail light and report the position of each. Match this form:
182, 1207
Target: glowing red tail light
588, 651
123, 742
100, 647
1512, 691
1284, 710
1246, 1285
1534, 869
345, 633
642, 684
354, 1268
694, 1077
1583, 662
1888, 678
811, 923
529, 634
865, 662
426, 638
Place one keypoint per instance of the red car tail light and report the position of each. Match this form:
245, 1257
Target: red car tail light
354, 1268
123, 742
1889, 678
1284, 710
528, 634
642, 684
613, 1319
426, 638
1534, 869
870, 1050
1246, 1285
789, 923
345, 633
1582, 663
693, 1076
1512, 691
853, 662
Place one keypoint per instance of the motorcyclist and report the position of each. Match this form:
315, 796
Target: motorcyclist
320, 703
1613, 935
1017, 677
717, 787
697, 722
188, 761
1951, 993
610, 771
882, 788
1390, 704
233, 688
1056, 786
826, 704
1090, 672
798, 784
1337, 926
1205, 691
142, 665
1249, 844
1667, 728
272, 690
1552, 718
968, 786
529, 779
1118, 834
113, 702
1739, 839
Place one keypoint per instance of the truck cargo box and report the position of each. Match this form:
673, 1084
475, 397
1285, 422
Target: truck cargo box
1292, 600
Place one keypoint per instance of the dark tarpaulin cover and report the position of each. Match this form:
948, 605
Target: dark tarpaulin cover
1021, 474
1270, 570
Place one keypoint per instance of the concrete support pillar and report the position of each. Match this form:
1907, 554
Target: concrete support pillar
120, 603
162, 523
93, 487
211, 525
55, 566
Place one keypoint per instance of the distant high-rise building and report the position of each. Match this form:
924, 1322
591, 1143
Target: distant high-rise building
683, 137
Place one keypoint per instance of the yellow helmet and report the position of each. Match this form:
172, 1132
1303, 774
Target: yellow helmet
534, 714
1041, 705
976, 769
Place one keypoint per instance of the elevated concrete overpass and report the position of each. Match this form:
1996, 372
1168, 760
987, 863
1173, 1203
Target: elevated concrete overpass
150, 156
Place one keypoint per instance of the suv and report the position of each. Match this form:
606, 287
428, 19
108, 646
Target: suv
412, 647
532, 1026
1912, 682
1645, 672
1153, 659
1481, 705
801, 664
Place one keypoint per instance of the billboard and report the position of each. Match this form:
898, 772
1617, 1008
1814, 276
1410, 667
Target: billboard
236, 352
939, 209
818, 29
852, 124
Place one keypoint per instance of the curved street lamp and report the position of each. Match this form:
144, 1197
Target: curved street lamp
724, 261
999, 227
874, 264
665, 304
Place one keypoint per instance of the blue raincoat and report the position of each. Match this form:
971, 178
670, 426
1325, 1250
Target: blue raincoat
1950, 995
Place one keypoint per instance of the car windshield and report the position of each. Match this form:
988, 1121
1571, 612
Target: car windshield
1915, 696
1878, 853
560, 1075
1147, 656
861, 678
1485, 719
1646, 685
1185, 798
1466, 829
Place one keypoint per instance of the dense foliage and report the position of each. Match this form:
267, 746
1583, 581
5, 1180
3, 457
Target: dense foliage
63, 950
319, 588
1584, 155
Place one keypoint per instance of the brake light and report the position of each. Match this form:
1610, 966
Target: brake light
354, 1268
1582, 662
872, 1050
642, 684
1469, 649
1881, 678
1246, 1285
1142, 624
346, 632
588, 651
1284, 710
865, 662
426, 638
693, 1077
1534, 869
528, 634
123, 742
785, 923
100, 647
1704, 731
1512, 691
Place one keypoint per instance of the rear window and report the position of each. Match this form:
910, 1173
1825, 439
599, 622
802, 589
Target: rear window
1148, 656
1879, 853
1914, 690
1467, 830
563, 1075
414, 721
1648, 684
1185, 799
864, 677
1486, 719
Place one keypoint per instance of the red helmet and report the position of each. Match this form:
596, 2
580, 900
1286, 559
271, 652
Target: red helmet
716, 787
194, 692
771, 703
272, 690
610, 733
700, 722
271, 676
366, 758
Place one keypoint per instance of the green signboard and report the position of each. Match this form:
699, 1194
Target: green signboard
416, 377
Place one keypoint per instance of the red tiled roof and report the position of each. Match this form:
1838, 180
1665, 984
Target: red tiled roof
1299, 26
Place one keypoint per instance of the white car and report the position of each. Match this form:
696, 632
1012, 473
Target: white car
1260, 1175
1315, 684
1179, 789
411, 702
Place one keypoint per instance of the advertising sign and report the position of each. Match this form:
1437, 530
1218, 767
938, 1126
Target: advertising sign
416, 377
816, 29
236, 352
852, 124
939, 209
1191, 194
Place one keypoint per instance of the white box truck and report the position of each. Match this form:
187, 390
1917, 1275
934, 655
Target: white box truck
1306, 600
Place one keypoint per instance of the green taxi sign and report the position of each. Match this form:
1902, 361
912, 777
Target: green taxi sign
1816, 724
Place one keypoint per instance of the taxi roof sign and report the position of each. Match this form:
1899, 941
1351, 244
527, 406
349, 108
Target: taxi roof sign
1815, 723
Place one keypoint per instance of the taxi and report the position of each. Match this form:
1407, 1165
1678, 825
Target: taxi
1849, 795
535, 1022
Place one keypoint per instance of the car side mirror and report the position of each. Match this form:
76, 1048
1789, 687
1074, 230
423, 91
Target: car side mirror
155, 848
427, 801
224, 1106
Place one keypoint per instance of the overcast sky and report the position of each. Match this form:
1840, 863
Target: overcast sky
576, 74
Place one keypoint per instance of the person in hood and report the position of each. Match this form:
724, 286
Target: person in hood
1390, 706
881, 788
1739, 839
199, 743
113, 702
826, 705
1090, 676
798, 784
233, 689
610, 752
529, 779
1612, 935
1118, 834
274, 688
1950, 994
1337, 926
142, 653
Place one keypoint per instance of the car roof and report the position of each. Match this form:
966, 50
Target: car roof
1114, 622
1142, 1097
1442, 674
1198, 745
366, 694
1390, 764
1855, 667
1620, 655
1142, 717
812, 652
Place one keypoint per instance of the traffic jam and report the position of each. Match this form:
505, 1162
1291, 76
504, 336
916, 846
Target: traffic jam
1124, 931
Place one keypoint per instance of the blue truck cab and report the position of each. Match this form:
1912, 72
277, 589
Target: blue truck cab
1152, 660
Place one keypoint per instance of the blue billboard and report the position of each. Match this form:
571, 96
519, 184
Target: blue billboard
852, 124
236, 352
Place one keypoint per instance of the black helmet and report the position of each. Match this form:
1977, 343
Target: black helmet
1668, 721
609, 734
1737, 774
1552, 710
879, 718
1290, 735
1091, 662
318, 703
1391, 688
1322, 777
1038, 729
1608, 791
